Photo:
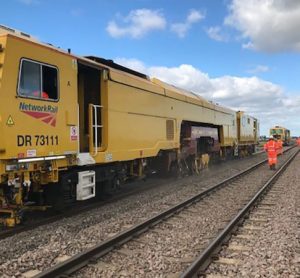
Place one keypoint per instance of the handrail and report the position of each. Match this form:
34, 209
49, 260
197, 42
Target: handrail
93, 128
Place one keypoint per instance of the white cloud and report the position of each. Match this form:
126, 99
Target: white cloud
258, 69
266, 25
183, 76
194, 16
215, 33
137, 24
182, 28
263, 99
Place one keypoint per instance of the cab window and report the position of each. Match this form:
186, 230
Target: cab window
38, 81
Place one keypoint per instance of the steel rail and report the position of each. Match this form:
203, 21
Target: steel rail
8, 232
82, 259
201, 263
76, 210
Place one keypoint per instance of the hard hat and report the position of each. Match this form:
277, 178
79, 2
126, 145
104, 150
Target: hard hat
271, 137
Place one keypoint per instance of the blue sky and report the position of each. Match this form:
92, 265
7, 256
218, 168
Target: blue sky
243, 54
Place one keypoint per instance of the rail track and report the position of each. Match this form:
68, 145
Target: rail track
42, 220
199, 266
108, 257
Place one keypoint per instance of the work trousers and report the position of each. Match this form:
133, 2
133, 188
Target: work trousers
272, 158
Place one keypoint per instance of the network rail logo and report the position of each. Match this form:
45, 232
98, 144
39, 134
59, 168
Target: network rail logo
46, 113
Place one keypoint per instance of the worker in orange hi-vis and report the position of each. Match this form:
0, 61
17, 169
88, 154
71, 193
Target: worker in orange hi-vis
280, 146
298, 141
271, 148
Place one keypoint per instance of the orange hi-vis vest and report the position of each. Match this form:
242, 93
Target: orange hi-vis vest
270, 146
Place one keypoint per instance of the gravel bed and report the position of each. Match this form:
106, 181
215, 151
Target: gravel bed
272, 250
46, 245
166, 249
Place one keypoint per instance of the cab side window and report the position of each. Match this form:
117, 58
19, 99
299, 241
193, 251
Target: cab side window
38, 81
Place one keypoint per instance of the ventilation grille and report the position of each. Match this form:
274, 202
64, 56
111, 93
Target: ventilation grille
170, 129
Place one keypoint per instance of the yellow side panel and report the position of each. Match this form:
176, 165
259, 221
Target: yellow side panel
2, 123
136, 82
188, 96
247, 132
136, 125
24, 133
176, 95
195, 101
